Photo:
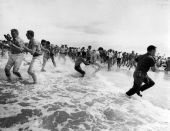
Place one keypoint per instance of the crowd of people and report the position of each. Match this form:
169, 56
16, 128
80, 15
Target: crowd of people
89, 56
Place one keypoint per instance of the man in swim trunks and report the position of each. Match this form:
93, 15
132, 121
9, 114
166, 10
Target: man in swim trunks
34, 48
16, 56
80, 59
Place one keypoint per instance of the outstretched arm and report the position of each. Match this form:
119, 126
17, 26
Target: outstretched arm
20, 48
5, 46
31, 51
85, 62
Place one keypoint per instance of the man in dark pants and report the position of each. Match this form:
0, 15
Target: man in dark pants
80, 59
144, 63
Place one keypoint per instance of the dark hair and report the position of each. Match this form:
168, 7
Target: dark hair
82, 48
31, 33
150, 48
48, 43
100, 48
83, 54
43, 41
78, 53
14, 30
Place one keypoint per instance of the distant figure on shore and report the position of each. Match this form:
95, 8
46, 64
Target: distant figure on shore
144, 63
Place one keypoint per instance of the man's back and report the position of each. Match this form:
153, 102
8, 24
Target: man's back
144, 62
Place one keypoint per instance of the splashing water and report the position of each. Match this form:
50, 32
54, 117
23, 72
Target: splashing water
63, 101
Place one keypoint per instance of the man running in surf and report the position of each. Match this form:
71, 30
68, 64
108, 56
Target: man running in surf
46, 53
144, 63
103, 55
80, 59
34, 48
62, 53
110, 59
119, 57
94, 59
52, 54
132, 60
89, 54
49, 53
16, 54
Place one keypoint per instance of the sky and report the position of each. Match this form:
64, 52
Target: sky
124, 25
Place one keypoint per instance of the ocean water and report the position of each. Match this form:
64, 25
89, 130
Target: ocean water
62, 101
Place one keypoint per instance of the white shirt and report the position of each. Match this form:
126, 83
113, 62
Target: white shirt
119, 55
110, 54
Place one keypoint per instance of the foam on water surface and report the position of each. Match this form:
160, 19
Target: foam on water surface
96, 102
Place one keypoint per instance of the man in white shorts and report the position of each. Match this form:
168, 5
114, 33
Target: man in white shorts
34, 48
16, 54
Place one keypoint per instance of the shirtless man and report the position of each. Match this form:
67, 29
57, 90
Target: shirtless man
16, 54
34, 48
110, 59
80, 59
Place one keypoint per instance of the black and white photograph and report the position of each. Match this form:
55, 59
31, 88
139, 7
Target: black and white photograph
84, 65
